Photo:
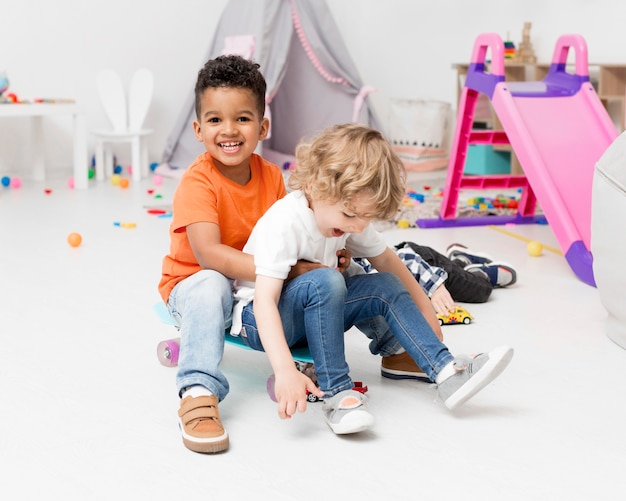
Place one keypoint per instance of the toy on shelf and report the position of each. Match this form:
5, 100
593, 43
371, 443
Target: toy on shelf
525, 52
509, 49
558, 129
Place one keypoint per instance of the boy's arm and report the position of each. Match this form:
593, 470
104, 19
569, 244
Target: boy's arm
290, 384
206, 243
343, 262
442, 300
212, 254
390, 262
428, 276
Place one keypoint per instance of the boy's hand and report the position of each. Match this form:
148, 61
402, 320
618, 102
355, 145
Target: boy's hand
442, 301
343, 260
290, 389
301, 267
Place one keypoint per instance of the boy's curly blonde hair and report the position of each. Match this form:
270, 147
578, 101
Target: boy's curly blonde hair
347, 159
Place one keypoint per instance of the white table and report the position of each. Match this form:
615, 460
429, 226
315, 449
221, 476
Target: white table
39, 110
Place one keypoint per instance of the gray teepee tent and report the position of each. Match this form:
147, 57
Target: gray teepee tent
311, 79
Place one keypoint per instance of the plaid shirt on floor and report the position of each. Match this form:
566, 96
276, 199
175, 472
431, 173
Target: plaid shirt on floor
429, 277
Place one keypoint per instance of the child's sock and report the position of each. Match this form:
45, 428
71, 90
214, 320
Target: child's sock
196, 391
445, 373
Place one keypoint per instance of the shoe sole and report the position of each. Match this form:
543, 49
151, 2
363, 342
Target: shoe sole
498, 361
207, 447
504, 266
354, 422
211, 445
398, 375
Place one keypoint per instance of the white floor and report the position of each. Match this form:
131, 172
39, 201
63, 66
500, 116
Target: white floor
88, 413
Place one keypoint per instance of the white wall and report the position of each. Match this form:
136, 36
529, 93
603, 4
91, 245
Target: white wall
405, 48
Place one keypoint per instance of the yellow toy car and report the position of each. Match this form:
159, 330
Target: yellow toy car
459, 316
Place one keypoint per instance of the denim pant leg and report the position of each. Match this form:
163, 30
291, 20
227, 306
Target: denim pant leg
383, 342
202, 307
382, 294
463, 286
311, 308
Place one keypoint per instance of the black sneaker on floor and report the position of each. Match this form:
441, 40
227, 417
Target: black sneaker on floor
500, 274
458, 252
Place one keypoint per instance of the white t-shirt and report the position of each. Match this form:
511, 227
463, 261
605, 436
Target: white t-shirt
287, 233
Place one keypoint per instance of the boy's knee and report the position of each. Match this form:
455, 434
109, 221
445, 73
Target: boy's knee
212, 280
328, 280
208, 287
389, 280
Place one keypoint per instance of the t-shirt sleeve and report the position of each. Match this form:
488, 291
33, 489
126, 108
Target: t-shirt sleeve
276, 251
275, 242
195, 201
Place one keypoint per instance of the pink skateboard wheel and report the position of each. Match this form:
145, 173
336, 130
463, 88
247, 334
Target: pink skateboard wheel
167, 352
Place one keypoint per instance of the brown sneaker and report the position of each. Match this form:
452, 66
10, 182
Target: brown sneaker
402, 366
200, 424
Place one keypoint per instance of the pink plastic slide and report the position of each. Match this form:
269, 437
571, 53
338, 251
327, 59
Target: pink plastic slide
558, 129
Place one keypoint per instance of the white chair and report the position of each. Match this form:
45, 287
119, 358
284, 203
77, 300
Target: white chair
127, 121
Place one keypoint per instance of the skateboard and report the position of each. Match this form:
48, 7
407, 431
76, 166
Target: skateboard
169, 349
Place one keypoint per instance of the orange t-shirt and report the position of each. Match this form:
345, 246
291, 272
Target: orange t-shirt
205, 195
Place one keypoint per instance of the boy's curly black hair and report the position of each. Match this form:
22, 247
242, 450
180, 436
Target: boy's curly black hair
231, 71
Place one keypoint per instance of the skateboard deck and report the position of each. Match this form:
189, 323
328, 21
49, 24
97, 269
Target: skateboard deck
168, 350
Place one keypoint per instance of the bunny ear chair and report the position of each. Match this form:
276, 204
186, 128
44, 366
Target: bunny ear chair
126, 120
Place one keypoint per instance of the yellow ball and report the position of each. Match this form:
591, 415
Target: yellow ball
115, 179
403, 223
534, 248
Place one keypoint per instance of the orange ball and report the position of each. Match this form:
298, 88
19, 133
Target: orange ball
124, 182
74, 239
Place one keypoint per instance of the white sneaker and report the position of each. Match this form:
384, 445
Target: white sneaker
346, 412
472, 375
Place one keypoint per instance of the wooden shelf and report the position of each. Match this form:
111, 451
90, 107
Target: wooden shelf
609, 80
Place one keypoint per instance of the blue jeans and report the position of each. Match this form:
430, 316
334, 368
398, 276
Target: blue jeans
202, 306
319, 306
